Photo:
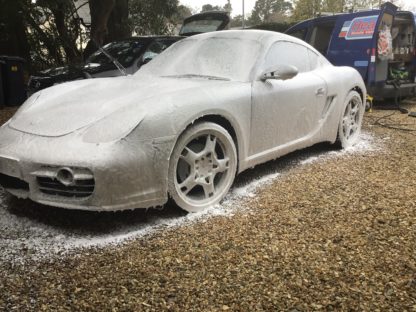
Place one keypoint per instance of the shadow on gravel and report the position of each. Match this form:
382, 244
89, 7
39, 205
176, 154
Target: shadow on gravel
80, 222
87, 222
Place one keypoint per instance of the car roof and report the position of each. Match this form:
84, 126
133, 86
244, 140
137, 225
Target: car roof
149, 38
155, 37
263, 36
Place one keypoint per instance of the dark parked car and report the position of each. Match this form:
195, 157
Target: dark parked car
131, 53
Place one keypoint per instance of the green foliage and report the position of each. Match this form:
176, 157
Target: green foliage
237, 21
153, 17
181, 13
305, 9
49, 33
210, 7
333, 6
228, 7
44, 33
266, 11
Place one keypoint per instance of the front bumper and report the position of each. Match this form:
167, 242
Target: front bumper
126, 174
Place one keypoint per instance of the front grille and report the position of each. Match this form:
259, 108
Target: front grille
9, 182
81, 186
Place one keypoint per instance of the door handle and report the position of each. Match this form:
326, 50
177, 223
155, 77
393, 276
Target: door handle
320, 92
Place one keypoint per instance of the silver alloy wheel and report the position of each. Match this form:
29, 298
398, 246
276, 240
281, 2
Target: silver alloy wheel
202, 167
350, 125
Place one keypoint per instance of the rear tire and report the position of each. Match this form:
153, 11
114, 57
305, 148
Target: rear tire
202, 167
349, 127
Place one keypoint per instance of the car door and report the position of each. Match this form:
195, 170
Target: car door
285, 111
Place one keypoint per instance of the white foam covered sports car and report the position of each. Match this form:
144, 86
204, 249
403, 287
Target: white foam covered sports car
183, 126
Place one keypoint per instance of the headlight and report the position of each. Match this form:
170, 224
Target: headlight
27, 104
6, 123
114, 127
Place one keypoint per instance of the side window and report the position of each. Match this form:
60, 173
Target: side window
288, 53
300, 33
313, 59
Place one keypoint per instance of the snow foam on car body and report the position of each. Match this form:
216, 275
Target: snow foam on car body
111, 176
124, 142
123, 170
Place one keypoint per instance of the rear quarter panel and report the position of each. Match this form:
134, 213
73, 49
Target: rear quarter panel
340, 81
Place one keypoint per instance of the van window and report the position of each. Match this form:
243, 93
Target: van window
284, 52
300, 33
321, 36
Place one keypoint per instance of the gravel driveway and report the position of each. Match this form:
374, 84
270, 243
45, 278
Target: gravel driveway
320, 229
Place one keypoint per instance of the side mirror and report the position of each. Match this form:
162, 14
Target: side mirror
280, 72
144, 61
147, 60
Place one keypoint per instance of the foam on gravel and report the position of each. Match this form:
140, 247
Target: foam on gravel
366, 144
23, 238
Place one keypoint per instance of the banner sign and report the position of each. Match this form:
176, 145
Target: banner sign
359, 28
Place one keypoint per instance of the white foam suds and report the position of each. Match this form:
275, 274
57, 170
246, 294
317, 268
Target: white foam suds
22, 237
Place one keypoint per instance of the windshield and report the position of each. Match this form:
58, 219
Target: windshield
123, 51
56, 71
201, 26
215, 57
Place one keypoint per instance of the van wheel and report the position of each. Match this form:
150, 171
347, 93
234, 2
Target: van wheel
349, 127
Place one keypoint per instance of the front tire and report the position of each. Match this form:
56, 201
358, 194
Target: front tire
202, 167
349, 127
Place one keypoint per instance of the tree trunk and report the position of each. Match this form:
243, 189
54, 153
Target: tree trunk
109, 22
118, 26
67, 39
14, 40
100, 13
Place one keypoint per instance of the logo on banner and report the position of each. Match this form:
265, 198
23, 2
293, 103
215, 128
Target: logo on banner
359, 28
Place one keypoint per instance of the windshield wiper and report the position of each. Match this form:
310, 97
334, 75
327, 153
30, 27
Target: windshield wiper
198, 76
120, 67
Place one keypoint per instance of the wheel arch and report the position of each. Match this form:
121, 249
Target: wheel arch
359, 91
224, 122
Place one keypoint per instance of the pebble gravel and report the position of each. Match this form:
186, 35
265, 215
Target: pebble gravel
333, 234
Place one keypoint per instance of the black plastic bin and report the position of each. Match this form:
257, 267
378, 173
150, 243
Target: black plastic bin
14, 88
2, 97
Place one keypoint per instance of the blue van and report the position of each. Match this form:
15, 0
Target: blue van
358, 39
